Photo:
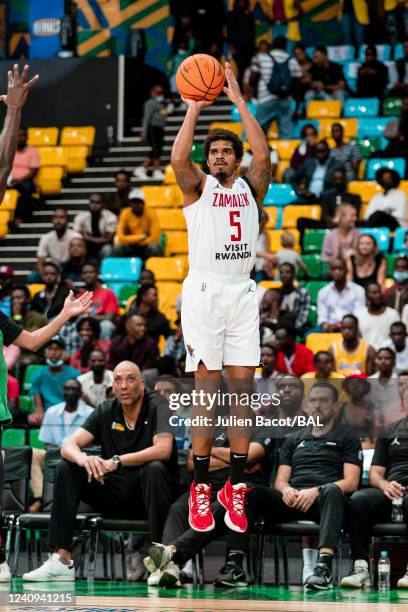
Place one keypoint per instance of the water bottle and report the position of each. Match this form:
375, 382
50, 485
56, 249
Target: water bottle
396, 514
384, 570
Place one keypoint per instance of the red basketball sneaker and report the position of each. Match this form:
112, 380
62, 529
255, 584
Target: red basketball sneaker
232, 497
200, 515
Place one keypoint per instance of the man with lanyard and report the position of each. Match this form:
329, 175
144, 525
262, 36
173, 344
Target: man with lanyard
10, 331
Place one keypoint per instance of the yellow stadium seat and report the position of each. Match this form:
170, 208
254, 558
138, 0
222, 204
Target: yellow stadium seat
5, 216
163, 196
49, 179
10, 200
167, 268
365, 189
292, 213
321, 342
78, 136
274, 239
171, 219
232, 126
282, 166
168, 294
350, 127
284, 148
35, 288
169, 176
272, 213
53, 156
274, 284
317, 109
404, 186
42, 137
388, 283
176, 243
273, 131
76, 158
161, 344
363, 209
3, 230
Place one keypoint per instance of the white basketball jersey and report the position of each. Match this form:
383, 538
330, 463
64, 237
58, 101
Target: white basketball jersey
223, 228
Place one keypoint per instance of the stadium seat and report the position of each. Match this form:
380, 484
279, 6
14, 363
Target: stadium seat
397, 163
272, 213
292, 213
42, 137
162, 196
312, 318
273, 131
313, 288
26, 403
28, 374
13, 437
3, 230
391, 106
382, 236
383, 52
340, 53
282, 166
285, 148
392, 74
372, 126
124, 269
365, 189
313, 240
35, 288
171, 219
318, 109
167, 268
232, 126
350, 127
53, 156
350, 72
235, 116
197, 153
168, 294
404, 186
399, 238
367, 146
398, 51
169, 176
34, 439
361, 107
280, 194
78, 136
299, 125
315, 266
9, 201
125, 292
390, 259
320, 342
274, 239
271, 284
76, 158
176, 243
5, 216
49, 179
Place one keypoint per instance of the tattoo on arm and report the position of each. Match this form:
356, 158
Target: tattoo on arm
259, 176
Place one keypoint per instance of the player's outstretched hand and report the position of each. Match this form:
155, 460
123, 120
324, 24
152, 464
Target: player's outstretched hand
197, 105
18, 87
74, 307
233, 91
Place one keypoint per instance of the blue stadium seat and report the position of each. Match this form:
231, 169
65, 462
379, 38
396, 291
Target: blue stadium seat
280, 194
341, 53
383, 53
350, 72
301, 123
372, 126
399, 237
372, 165
382, 236
121, 269
398, 51
235, 116
361, 107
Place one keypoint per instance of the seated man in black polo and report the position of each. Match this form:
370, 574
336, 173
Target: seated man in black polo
318, 467
135, 476
389, 481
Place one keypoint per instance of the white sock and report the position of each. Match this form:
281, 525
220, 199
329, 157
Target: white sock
310, 556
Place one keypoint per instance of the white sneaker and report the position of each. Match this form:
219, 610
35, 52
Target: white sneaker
5, 574
52, 569
140, 173
310, 556
188, 570
154, 578
359, 577
158, 175
159, 556
403, 582
170, 575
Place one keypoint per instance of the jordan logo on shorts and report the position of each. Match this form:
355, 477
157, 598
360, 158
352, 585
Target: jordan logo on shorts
203, 287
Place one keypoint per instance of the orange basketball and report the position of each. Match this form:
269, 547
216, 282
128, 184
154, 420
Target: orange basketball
200, 77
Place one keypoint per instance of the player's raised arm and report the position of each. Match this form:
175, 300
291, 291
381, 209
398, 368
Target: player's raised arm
259, 171
17, 92
189, 178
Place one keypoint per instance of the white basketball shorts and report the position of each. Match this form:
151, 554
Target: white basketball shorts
220, 320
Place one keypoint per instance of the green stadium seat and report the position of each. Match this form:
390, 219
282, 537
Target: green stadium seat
367, 146
26, 403
316, 268
28, 375
197, 153
390, 258
313, 240
314, 287
127, 291
35, 442
391, 106
312, 319
13, 437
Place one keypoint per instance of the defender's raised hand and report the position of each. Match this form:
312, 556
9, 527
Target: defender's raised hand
18, 87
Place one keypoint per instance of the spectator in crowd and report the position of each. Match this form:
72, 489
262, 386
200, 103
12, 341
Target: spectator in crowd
269, 313
296, 301
97, 381
71, 269
11, 355
342, 240
325, 368
138, 230
266, 378
247, 158
153, 124
54, 244
182, 13
401, 87
357, 412
89, 330
396, 146
141, 464
241, 35
209, 18
23, 173
175, 346
147, 277
48, 381
403, 120
384, 384
70, 336
264, 261
352, 354
105, 305
22, 311
50, 300
397, 295
388, 481
398, 343
120, 198
6, 283
375, 319
293, 357
133, 345
97, 225
346, 154
315, 175
288, 255
326, 78
305, 64
305, 150
147, 305
13, 393
367, 264
353, 19
339, 298
60, 422
274, 94
399, 409
389, 209
372, 76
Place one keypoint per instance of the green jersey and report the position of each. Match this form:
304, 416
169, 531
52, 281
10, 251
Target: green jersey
9, 331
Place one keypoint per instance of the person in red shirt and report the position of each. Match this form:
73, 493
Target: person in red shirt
293, 357
89, 331
25, 169
105, 305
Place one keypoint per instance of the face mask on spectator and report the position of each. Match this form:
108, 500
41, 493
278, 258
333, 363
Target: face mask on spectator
55, 364
159, 98
98, 369
400, 277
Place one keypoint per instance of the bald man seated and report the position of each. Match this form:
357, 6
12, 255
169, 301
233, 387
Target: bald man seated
134, 476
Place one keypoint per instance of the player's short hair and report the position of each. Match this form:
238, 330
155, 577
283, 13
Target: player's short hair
326, 385
224, 135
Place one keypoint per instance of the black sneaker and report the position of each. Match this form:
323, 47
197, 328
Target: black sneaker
321, 579
231, 575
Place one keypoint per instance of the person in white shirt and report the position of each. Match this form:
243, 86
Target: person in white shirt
338, 298
375, 319
398, 343
384, 385
388, 209
97, 381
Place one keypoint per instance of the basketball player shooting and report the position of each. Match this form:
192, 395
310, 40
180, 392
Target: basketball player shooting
220, 318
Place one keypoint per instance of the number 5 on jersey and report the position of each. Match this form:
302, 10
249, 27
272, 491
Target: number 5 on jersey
236, 223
